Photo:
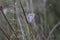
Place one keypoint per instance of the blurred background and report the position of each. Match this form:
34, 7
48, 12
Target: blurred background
29, 19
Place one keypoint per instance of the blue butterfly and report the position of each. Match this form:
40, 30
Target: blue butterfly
30, 17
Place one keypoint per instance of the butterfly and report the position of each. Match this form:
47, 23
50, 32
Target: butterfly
30, 17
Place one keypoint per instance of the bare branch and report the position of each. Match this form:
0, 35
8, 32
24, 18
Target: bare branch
23, 10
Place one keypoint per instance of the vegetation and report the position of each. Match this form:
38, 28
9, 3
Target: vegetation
29, 19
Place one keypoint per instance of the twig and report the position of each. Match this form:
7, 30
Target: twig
53, 30
19, 22
6, 35
1, 9
23, 10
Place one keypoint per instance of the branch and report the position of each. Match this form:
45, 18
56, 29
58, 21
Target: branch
1, 9
6, 35
23, 10
53, 30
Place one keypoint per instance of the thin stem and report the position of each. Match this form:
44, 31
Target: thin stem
53, 30
1, 9
23, 10
27, 5
6, 35
19, 22
31, 6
